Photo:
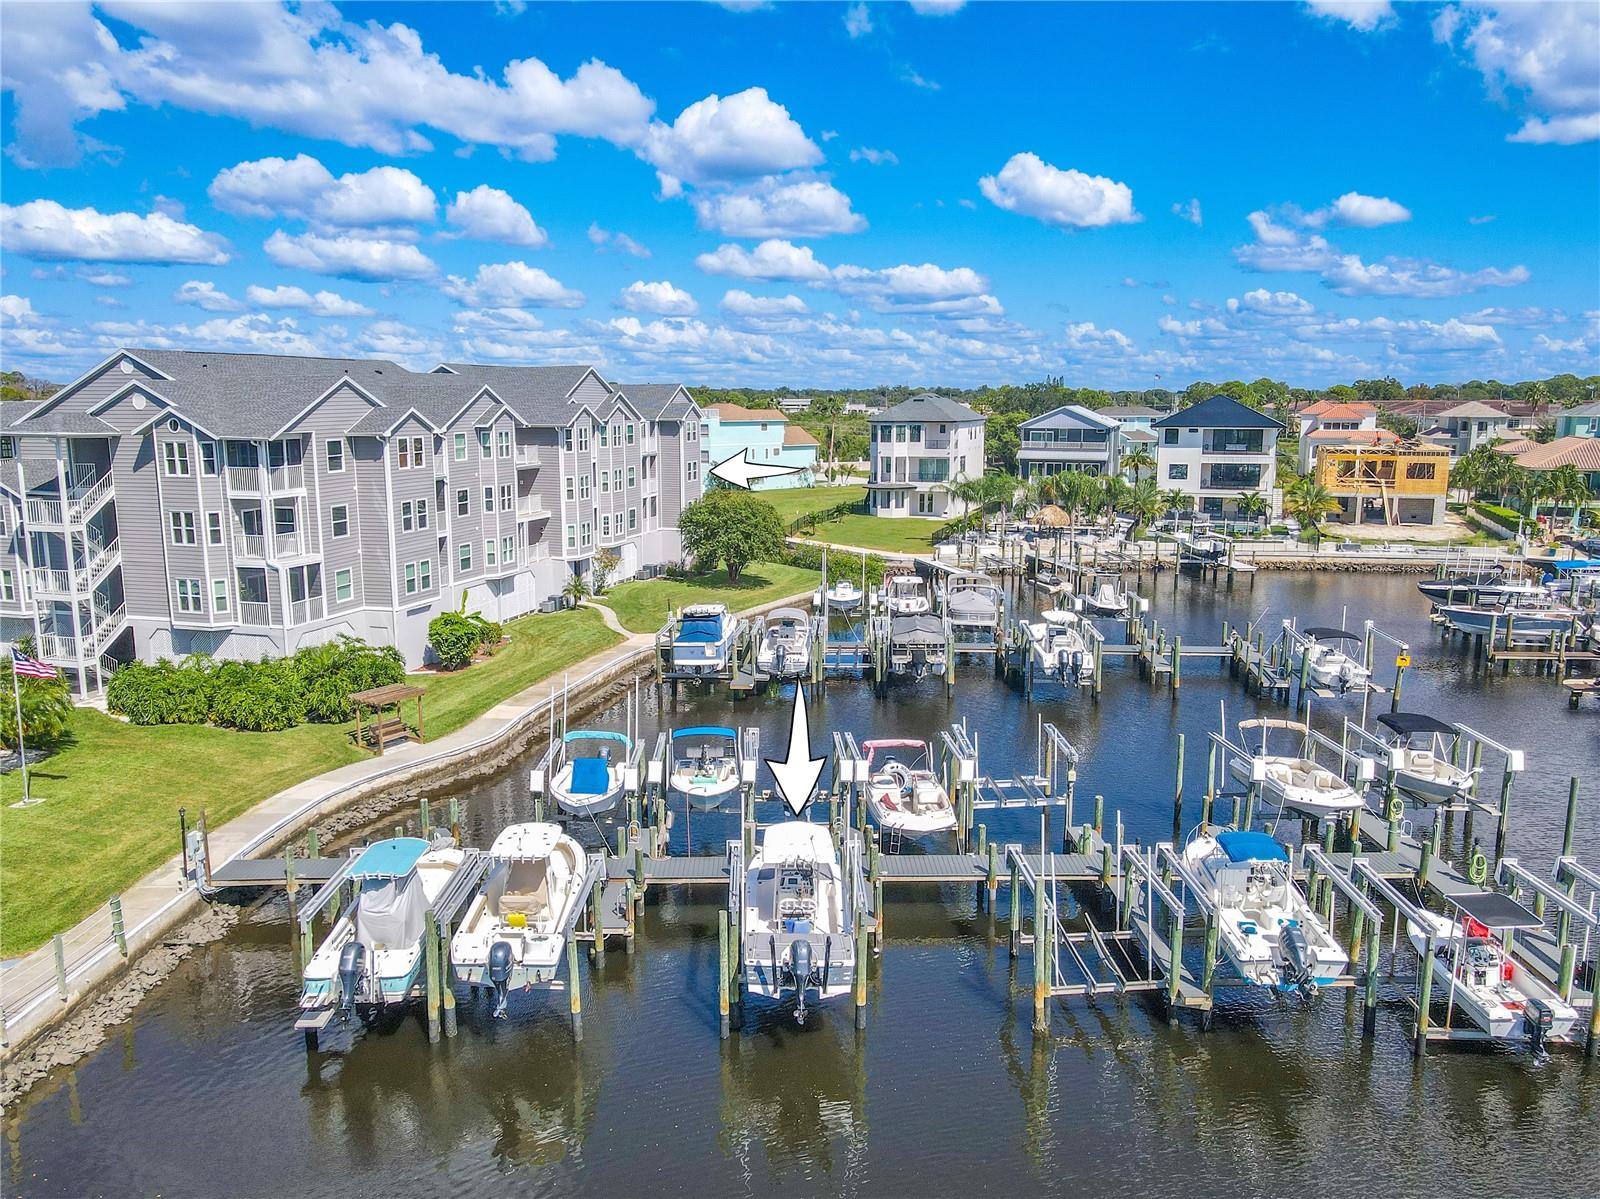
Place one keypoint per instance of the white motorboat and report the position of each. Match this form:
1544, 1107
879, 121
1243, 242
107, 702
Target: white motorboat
1293, 779
973, 601
1523, 613
903, 792
1107, 596
1060, 649
702, 639
785, 648
798, 937
1265, 927
918, 646
373, 955
1421, 754
842, 596
905, 594
589, 783
705, 764
1474, 972
1484, 585
1326, 661
514, 933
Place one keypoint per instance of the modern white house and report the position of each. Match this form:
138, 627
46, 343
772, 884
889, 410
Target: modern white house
1069, 438
1217, 451
920, 447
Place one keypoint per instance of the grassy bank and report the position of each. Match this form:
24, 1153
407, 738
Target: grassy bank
792, 502
905, 535
113, 792
642, 607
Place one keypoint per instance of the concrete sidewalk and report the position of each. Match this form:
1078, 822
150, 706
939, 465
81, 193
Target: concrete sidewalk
31, 989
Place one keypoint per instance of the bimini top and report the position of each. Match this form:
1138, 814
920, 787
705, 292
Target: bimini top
1568, 563
799, 840
779, 615
1272, 723
917, 630
705, 730
1323, 634
1495, 911
705, 627
596, 735
393, 858
893, 743
1251, 847
1406, 723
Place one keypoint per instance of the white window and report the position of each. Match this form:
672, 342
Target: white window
566, 439
633, 519
219, 595
502, 443
463, 502
488, 552
505, 497
464, 556
411, 578
339, 517
335, 457
8, 586
632, 476
406, 517
177, 457
616, 479
587, 533
483, 443
214, 528
605, 526
693, 471
183, 529
422, 514
567, 485
691, 432
627, 431
600, 431
461, 447
488, 499
572, 537
605, 480
190, 597
508, 551
583, 438
583, 487
343, 585
426, 568
208, 458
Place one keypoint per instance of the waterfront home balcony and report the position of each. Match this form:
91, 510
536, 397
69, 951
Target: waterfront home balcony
64, 647
83, 578
1235, 441
85, 496
257, 614
256, 480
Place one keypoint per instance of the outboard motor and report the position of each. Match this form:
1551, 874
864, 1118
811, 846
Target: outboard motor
1297, 959
1077, 665
1063, 663
1538, 1018
500, 963
800, 969
352, 967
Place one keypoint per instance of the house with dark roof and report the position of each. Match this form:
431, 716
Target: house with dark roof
919, 449
173, 502
1216, 452
1069, 438
1583, 421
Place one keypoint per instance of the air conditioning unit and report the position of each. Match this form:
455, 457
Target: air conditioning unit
553, 604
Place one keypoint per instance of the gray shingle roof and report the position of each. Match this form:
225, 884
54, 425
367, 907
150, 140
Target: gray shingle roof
537, 394
1218, 412
1073, 413
926, 407
658, 401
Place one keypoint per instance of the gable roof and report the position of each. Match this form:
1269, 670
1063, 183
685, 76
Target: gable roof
735, 414
1353, 436
1130, 410
1578, 451
1592, 409
795, 435
538, 395
926, 407
1218, 412
1328, 410
1072, 412
1474, 408
668, 401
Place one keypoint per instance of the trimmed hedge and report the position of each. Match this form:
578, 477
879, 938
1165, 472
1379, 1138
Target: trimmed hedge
1498, 513
265, 696
840, 565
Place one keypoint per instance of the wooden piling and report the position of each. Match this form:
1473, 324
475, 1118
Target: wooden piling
1424, 997
574, 993
597, 918
1177, 797
1016, 910
430, 950
1564, 918
861, 971
722, 973
1042, 947
118, 933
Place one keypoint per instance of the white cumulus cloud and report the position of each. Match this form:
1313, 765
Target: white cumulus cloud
737, 302
1188, 210
660, 298
1032, 187
1361, 15
774, 208
1358, 211
302, 188
1542, 55
204, 294
603, 239
772, 259
511, 285
46, 229
719, 140
488, 214
323, 303
857, 20
348, 256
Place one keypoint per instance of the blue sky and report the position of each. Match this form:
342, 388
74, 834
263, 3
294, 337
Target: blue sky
1128, 195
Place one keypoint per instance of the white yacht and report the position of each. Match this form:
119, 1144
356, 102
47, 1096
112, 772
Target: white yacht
1524, 612
1290, 776
903, 792
797, 934
1265, 927
1326, 661
590, 782
514, 933
702, 638
705, 763
373, 954
1059, 648
1421, 753
1474, 972
785, 648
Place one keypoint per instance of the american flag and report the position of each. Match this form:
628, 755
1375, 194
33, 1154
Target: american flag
30, 668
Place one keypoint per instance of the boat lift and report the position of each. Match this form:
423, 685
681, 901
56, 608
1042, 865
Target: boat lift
1357, 770
1293, 643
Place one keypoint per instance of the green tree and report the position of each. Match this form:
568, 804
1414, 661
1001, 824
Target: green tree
1001, 441
46, 710
1146, 502
1139, 460
1310, 503
1253, 505
732, 527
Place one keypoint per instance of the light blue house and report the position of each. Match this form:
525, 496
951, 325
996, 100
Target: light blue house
768, 436
1583, 421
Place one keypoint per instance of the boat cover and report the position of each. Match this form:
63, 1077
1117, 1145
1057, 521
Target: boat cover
1324, 634
589, 776
390, 858
1406, 723
917, 630
705, 730
391, 914
596, 735
1251, 847
1495, 911
706, 629
969, 604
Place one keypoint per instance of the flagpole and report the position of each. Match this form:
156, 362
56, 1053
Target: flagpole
22, 750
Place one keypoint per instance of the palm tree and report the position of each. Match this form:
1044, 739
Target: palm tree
1253, 505
1075, 491
1115, 493
1178, 500
1146, 502
1309, 502
576, 589
1566, 486
1138, 460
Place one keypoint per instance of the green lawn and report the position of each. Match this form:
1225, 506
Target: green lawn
906, 535
642, 607
114, 792
792, 502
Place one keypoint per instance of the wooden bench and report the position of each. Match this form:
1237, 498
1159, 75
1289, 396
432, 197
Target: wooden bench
375, 736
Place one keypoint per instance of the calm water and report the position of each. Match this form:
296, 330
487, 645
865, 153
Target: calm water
208, 1091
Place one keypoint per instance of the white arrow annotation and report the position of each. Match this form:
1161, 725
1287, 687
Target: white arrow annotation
797, 774
737, 470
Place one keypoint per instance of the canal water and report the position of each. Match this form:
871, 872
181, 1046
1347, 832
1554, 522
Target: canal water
207, 1091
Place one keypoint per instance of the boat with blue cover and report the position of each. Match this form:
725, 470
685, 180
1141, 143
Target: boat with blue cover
1265, 927
587, 778
702, 639
373, 955
705, 763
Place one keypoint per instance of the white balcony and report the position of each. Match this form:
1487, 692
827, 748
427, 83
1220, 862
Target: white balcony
255, 614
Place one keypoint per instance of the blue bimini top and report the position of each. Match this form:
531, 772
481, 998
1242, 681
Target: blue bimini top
1251, 847
393, 858
705, 730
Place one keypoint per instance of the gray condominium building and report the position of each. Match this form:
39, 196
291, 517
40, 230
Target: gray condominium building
239, 505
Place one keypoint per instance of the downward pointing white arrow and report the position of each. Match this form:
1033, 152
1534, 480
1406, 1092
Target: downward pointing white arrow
738, 471
797, 774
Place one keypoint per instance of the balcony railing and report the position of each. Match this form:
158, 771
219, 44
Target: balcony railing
286, 545
50, 582
244, 478
58, 647
1234, 445
43, 512
255, 613
249, 545
301, 611
287, 477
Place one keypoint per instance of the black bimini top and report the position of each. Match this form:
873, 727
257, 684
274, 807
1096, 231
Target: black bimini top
1321, 634
1495, 911
1407, 723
